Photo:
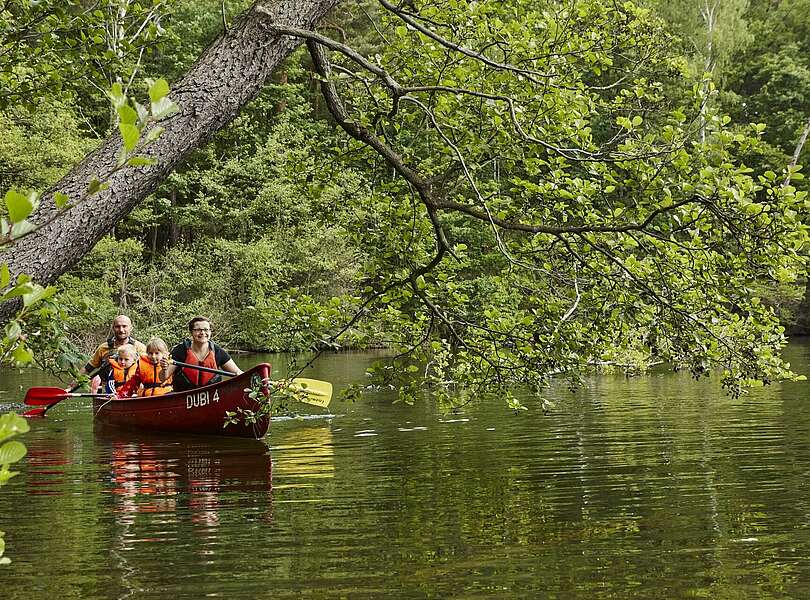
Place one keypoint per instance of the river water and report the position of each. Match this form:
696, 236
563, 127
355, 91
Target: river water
651, 487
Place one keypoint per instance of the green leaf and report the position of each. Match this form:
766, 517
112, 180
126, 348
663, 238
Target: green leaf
22, 355
5, 475
61, 200
127, 114
11, 452
117, 95
140, 161
16, 291
154, 134
163, 108
11, 424
143, 114
38, 294
121, 157
13, 331
158, 90
94, 186
5, 276
21, 228
19, 206
130, 135
624, 122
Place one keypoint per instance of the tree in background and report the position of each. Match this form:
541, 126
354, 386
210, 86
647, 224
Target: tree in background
711, 33
768, 84
769, 79
759, 78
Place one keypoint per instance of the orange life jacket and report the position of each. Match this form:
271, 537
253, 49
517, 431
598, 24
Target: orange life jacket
196, 377
120, 375
150, 378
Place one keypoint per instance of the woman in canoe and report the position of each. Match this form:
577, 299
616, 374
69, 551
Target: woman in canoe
200, 351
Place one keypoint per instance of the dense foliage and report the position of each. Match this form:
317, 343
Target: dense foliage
498, 192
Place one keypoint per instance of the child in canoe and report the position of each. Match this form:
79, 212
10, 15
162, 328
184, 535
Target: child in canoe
150, 378
121, 368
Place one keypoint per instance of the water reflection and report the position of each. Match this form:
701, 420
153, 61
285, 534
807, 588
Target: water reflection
653, 486
173, 475
305, 454
48, 462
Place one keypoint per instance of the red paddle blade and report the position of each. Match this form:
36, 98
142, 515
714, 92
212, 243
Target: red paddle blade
35, 413
43, 396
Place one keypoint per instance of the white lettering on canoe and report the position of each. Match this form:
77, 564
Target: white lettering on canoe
199, 399
216, 396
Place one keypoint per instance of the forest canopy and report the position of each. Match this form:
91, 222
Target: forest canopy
496, 192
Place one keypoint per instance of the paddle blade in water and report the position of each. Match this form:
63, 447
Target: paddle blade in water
35, 412
317, 393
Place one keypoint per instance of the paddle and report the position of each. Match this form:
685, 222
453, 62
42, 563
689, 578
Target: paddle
316, 392
47, 395
201, 368
55, 398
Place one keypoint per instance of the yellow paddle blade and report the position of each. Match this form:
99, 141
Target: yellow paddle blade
318, 393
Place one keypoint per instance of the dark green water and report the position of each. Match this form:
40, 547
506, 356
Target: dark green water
653, 487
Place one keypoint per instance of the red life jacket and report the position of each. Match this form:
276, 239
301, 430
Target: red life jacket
119, 374
150, 378
196, 377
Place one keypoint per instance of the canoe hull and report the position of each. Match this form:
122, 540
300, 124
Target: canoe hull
198, 411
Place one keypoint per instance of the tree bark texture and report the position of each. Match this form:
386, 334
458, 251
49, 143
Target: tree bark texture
228, 75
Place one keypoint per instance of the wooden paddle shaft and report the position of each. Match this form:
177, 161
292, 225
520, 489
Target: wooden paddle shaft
206, 369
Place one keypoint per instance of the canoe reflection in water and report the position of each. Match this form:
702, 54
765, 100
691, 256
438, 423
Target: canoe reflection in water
173, 474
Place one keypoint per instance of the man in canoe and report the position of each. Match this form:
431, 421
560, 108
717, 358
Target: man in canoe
122, 334
199, 351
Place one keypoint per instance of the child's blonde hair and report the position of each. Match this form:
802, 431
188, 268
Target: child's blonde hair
157, 344
129, 350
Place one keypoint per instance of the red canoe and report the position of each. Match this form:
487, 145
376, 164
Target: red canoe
201, 410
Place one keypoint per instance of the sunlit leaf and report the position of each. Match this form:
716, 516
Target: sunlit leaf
11, 452
61, 200
19, 206
130, 135
163, 108
140, 161
127, 114
158, 91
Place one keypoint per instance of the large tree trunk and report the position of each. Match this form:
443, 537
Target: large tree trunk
228, 75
